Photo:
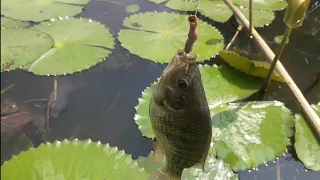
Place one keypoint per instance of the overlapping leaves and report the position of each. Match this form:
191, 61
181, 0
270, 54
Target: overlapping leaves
244, 134
217, 10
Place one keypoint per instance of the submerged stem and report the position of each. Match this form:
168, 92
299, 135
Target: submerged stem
276, 59
239, 28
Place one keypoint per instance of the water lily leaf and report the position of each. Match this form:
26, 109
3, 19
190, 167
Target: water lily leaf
215, 169
72, 160
132, 8
73, 51
250, 67
22, 46
278, 39
306, 144
247, 135
269, 5
221, 85
39, 10
10, 23
158, 35
217, 10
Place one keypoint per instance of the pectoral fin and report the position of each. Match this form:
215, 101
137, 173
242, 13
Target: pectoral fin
158, 155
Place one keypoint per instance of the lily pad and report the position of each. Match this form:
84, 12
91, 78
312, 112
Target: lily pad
20, 46
39, 10
133, 8
158, 35
250, 67
10, 23
217, 10
306, 144
251, 134
75, 46
278, 39
269, 5
215, 169
72, 160
221, 85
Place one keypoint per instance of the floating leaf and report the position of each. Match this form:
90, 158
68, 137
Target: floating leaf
39, 10
132, 8
10, 23
73, 51
250, 67
22, 46
269, 5
253, 133
215, 169
278, 39
217, 10
306, 144
221, 85
158, 36
72, 160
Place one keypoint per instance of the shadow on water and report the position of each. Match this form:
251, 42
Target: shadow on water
102, 99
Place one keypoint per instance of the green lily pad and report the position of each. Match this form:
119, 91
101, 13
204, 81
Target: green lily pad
20, 46
278, 39
251, 134
39, 10
215, 169
158, 35
10, 23
269, 5
217, 10
73, 51
72, 160
306, 144
250, 67
133, 8
221, 85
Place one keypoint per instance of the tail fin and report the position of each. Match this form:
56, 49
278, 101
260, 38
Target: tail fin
162, 174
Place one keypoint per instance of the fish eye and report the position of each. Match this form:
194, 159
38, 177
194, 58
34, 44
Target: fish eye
183, 84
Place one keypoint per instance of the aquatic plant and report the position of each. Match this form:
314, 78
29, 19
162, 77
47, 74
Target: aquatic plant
56, 47
72, 160
38, 10
217, 10
157, 41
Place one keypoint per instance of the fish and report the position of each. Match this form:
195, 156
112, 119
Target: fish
180, 118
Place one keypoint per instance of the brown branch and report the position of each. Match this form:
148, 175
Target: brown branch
300, 99
192, 35
7, 88
239, 28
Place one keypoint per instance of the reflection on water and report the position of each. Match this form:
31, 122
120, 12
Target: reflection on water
99, 103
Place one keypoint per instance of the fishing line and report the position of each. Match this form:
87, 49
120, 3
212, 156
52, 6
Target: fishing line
197, 7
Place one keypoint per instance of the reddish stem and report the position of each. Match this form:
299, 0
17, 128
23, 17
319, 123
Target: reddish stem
193, 33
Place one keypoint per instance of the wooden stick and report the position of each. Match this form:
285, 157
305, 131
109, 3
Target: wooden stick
250, 17
300, 99
234, 37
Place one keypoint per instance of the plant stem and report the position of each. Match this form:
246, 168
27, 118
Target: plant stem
300, 99
250, 17
276, 59
239, 28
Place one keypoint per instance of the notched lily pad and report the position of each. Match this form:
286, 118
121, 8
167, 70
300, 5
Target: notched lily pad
217, 10
133, 8
250, 67
72, 160
158, 35
39, 10
221, 85
21, 46
251, 134
78, 45
306, 144
10, 23
215, 169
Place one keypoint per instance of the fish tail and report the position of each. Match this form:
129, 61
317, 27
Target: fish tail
163, 174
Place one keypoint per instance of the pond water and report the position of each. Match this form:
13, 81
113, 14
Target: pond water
103, 98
